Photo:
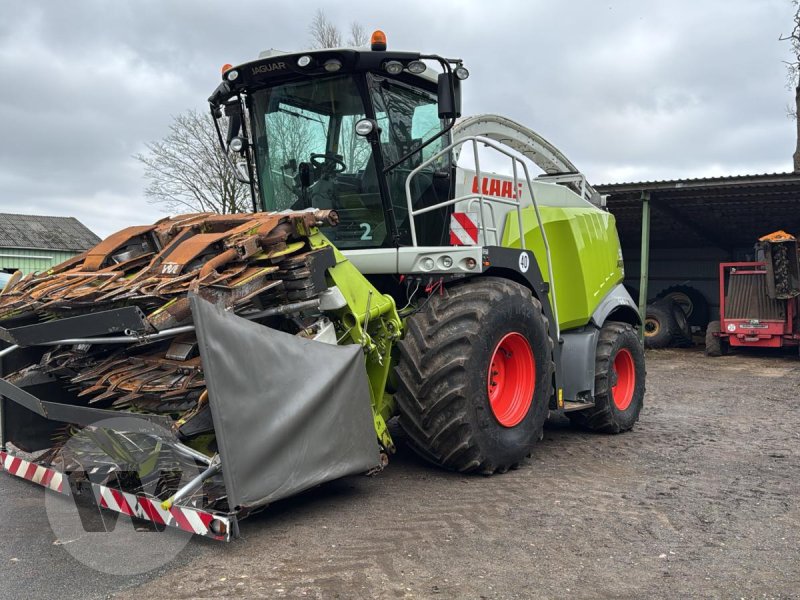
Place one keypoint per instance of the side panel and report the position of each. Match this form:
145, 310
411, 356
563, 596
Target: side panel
584, 245
577, 359
587, 260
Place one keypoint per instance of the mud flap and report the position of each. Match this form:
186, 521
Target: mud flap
289, 413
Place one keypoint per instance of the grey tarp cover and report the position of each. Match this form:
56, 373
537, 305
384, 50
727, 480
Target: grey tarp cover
289, 413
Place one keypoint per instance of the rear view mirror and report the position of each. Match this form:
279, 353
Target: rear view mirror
449, 94
234, 113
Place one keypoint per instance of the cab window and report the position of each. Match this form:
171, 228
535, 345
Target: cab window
308, 155
409, 116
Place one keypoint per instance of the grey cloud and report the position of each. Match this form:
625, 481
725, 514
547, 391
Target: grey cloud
628, 89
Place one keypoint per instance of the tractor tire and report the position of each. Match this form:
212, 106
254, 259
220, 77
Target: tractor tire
691, 300
475, 376
659, 325
619, 381
682, 336
715, 345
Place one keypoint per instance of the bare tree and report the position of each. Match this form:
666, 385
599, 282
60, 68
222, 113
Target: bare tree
187, 170
358, 35
793, 78
324, 34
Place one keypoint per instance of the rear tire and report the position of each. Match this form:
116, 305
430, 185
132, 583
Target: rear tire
715, 345
482, 332
619, 381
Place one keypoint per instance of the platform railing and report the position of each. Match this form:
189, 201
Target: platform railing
485, 202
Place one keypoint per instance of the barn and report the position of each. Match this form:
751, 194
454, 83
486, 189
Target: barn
31, 243
681, 230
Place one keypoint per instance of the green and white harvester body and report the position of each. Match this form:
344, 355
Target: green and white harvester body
189, 372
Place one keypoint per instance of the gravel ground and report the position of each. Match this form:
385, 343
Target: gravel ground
700, 500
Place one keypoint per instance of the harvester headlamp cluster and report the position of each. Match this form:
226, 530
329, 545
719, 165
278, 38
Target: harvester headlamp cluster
395, 67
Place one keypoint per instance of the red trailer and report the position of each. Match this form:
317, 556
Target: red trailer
759, 301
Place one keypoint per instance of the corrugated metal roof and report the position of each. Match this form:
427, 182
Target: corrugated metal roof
727, 212
45, 233
755, 179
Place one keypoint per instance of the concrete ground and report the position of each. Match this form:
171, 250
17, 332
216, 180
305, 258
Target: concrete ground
701, 500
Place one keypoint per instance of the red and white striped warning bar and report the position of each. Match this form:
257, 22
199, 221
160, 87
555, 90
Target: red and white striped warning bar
194, 521
49, 478
464, 229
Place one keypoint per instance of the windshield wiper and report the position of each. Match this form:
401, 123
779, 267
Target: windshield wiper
301, 115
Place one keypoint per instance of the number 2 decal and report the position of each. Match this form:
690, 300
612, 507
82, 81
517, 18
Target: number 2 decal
367, 235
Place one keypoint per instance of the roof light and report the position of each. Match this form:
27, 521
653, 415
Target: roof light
231, 75
226, 67
304, 61
332, 65
378, 41
461, 73
393, 67
417, 67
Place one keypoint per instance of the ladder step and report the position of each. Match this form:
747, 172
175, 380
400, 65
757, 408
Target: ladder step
570, 406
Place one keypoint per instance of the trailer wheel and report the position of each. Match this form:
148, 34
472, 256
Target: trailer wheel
691, 300
619, 381
475, 376
659, 325
715, 345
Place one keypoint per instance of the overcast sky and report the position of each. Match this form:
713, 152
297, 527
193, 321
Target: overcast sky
628, 90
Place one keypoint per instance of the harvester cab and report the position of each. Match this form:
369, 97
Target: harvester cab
252, 356
342, 129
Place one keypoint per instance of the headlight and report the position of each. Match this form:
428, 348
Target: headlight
304, 61
332, 65
462, 73
237, 144
393, 67
416, 67
232, 75
364, 127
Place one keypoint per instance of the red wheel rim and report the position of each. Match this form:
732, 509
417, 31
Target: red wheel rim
625, 371
512, 379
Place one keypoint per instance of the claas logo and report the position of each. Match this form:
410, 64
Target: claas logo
492, 186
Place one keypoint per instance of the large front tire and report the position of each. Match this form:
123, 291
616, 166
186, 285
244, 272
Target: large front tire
475, 376
619, 381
